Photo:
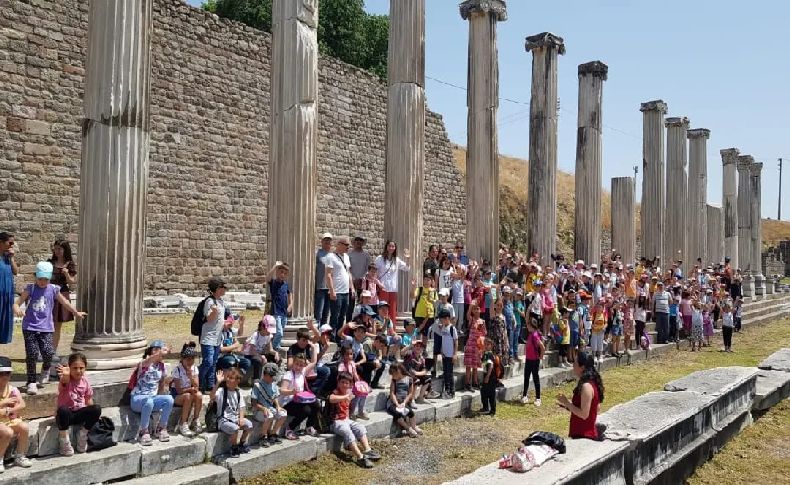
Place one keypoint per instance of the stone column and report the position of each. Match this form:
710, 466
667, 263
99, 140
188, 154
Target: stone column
482, 153
294, 140
542, 183
623, 209
755, 205
715, 235
675, 246
403, 199
587, 236
697, 195
745, 223
653, 222
729, 158
113, 183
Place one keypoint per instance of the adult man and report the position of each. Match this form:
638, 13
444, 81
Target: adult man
459, 255
661, 301
339, 283
360, 260
321, 303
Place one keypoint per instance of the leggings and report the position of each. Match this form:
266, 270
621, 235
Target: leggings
145, 405
87, 417
37, 343
531, 368
727, 334
301, 411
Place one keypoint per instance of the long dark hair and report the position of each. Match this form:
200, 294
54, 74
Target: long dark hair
67, 256
589, 374
5, 236
384, 252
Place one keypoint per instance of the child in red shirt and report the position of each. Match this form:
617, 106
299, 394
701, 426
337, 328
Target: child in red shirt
351, 431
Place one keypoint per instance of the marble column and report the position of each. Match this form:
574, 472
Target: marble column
542, 184
403, 199
729, 159
113, 183
623, 209
755, 205
715, 235
587, 234
697, 195
482, 152
675, 246
653, 216
745, 223
294, 141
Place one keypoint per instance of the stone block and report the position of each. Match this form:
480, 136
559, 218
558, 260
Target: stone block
380, 425
779, 360
449, 408
21, 111
773, 386
35, 127
37, 149
179, 452
15, 124
734, 388
206, 474
261, 460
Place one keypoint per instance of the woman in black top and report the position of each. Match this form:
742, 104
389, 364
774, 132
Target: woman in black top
64, 275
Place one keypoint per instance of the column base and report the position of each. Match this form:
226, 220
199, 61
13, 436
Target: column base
747, 286
759, 285
108, 356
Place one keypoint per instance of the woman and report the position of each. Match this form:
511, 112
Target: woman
8, 269
587, 396
388, 264
65, 274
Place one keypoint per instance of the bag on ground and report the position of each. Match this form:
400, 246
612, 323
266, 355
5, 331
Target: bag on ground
100, 435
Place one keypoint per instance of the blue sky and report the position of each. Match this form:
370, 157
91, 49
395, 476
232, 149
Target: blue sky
722, 64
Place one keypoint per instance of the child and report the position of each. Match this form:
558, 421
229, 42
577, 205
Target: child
230, 348
424, 298
628, 323
574, 319
297, 399
534, 350
386, 325
449, 349
401, 394
372, 285
11, 425
147, 383
211, 333
348, 366
472, 354
617, 328
565, 331
488, 391
267, 407
185, 392
230, 411
409, 337
510, 322
640, 318
498, 333
347, 429
38, 325
415, 366
281, 298
737, 313
519, 309
727, 325
707, 323
696, 325
259, 348
597, 331
365, 301
75, 404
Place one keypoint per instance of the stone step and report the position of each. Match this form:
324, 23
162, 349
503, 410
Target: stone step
773, 380
205, 474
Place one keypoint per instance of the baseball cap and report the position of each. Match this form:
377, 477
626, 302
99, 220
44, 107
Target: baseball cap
5, 365
270, 323
507, 289
367, 311
326, 235
408, 322
325, 328
444, 292
44, 270
157, 344
359, 238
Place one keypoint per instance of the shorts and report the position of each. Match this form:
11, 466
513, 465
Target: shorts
564, 350
261, 416
617, 330
574, 338
596, 341
350, 431
228, 427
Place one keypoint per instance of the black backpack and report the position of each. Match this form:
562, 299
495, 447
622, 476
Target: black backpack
546, 438
416, 300
100, 434
199, 318
213, 414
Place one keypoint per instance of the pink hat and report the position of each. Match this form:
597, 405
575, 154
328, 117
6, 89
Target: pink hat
269, 322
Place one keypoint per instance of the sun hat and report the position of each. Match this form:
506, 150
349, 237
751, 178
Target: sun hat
44, 270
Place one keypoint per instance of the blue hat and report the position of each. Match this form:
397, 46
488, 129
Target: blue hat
367, 310
157, 344
44, 270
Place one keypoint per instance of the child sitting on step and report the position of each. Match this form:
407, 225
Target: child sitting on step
267, 409
351, 432
11, 425
401, 394
147, 383
230, 410
186, 393
347, 365
259, 348
75, 404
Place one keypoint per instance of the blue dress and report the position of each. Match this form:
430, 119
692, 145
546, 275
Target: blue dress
6, 300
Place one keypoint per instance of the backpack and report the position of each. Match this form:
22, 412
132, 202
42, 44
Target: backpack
126, 399
545, 438
213, 414
556, 333
416, 300
100, 434
199, 317
499, 371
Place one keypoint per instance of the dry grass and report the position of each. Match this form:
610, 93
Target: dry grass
453, 448
775, 231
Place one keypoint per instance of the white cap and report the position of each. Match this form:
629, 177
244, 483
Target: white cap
325, 328
581, 261
507, 289
593, 266
444, 292
326, 235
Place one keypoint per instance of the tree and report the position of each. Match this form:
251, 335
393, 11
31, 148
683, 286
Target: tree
345, 30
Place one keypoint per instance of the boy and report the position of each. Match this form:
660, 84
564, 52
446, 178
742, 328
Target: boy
409, 337
351, 431
449, 348
366, 299
281, 298
385, 325
230, 409
415, 365
488, 391
268, 411
598, 326
565, 331
371, 366
510, 322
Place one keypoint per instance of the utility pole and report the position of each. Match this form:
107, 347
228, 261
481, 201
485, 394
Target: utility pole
636, 171
779, 208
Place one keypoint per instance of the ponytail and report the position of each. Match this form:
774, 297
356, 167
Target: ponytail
589, 374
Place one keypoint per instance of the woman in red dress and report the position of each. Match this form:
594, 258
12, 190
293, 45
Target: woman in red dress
586, 398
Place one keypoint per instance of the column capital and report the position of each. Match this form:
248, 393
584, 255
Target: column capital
545, 39
756, 168
744, 162
678, 121
595, 68
698, 133
496, 7
729, 156
657, 105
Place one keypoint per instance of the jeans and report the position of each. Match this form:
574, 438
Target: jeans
145, 405
338, 309
512, 336
460, 317
727, 334
207, 372
281, 321
321, 307
227, 361
662, 327
673, 328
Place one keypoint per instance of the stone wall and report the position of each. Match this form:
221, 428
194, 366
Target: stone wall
209, 144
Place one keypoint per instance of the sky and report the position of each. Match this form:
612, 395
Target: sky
723, 64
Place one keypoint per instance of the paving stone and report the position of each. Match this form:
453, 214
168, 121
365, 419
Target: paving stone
779, 360
179, 452
773, 386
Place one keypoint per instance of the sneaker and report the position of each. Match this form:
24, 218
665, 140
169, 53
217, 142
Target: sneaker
290, 435
468, 388
82, 441
411, 405
43, 378
144, 438
446, 395
363, 416
372, 455
420, 400
273, 439
245, 448
525, 400
184, 431
234, 451
312, 431
537, 403
264, 442
364, 463
433, 395
163, 435
23, 461
197, 427
418, 430
32, 389
412, 433
65, 447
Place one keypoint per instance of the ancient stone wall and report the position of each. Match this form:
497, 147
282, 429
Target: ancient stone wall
209, 144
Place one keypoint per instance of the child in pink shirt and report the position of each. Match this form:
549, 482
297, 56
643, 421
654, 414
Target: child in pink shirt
75, 404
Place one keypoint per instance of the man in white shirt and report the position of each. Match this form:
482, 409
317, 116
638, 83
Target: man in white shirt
339, 282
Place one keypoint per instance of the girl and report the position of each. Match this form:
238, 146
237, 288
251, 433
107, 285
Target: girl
185, 391
587, 396
415, 365
11, 403
401, 395
64, 274
727, 325
38, 325
148, 381
372, 284
640, 318
297, 399
628, 323
685, 313
347, 365
498, 333
259, 348
230, 406
534, 351
696, 325
388, 264
445, 274
472, 350
617, 328
75, 404
707, 323
565, 331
